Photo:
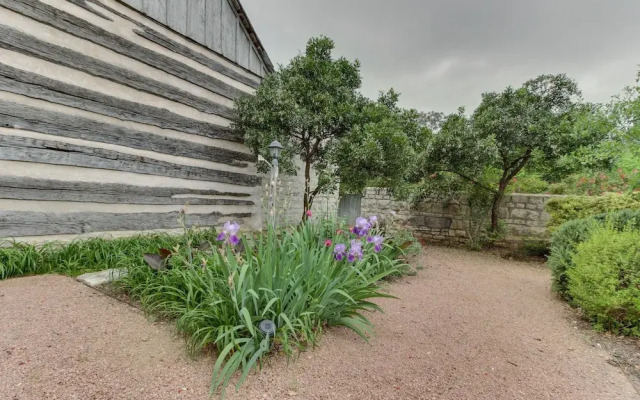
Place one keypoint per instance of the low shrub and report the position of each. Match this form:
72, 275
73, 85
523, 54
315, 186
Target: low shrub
563, 245
605, 279
566, 239
563, 209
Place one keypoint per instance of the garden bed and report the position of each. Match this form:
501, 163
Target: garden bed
241, 295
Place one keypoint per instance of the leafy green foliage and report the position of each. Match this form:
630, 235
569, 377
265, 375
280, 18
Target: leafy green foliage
596, 144
382, 148
566, 238
625, 110
95, 254
563, 209
527, 182
431, 120
605, 279
625, 178
610, 163
289, 277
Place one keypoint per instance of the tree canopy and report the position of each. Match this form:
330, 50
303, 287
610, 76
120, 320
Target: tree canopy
383, 147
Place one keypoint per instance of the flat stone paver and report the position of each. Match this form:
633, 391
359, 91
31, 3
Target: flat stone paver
469, 326
95, 279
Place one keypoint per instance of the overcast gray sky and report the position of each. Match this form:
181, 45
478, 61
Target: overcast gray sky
441, 54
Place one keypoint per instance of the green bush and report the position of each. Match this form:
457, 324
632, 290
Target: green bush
566, 239
568, 208
605, 279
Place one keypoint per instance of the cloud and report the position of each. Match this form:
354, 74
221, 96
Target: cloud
442, 54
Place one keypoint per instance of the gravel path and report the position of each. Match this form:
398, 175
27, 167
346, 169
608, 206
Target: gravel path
469, 326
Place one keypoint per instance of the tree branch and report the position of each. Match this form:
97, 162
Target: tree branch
489, 188
522, 161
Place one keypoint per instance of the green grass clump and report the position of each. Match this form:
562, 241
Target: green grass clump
605, 279
291, 277
95, 254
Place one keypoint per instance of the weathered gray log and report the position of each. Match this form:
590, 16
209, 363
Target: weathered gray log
19, 116
28, 223
134, 4
83, 4
17, 148
40, 87
176, 47
83, 29
38, 120
21, 188
14, 40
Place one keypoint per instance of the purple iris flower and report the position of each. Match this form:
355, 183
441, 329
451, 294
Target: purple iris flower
228, 233
340, 251
361, 226
355, 252
377, 241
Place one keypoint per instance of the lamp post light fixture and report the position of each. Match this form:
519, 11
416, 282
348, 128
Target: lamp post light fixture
275, 148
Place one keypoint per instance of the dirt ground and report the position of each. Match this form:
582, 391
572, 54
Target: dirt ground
468, 326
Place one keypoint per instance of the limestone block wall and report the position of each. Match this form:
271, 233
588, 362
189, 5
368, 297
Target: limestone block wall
289, 198
523, 215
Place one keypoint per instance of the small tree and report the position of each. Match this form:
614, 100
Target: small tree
308, 106
505, 132
313, 108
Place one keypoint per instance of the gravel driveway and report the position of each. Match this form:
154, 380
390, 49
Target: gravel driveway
468, 326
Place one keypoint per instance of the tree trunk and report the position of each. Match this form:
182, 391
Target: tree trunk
307, 201
495, 207
510, 171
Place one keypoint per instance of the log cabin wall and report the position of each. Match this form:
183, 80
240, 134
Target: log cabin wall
112, 119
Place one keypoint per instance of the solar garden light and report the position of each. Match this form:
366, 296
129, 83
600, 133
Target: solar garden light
267, 327
275, 148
